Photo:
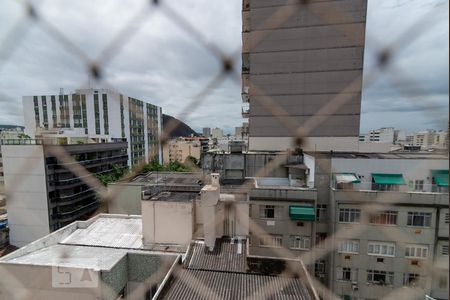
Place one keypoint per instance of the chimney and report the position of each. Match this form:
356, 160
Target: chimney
209, 198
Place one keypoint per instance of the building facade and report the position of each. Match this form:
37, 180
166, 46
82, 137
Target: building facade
44, 194
180, 149
206, 132
303, 65
382, 135
98, 115
365, 224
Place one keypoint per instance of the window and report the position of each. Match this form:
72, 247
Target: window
443, 281
321, 212
269, 211
45, 111
446, 218
348, 246
105, 113
411, 279
36, 111
381, 249
380, 277
96, 114
271, 241
444, 250
349, 215
346, 274
416, 251
387, 217
418, 185
300, 242
319, 268
320, 239
419, 219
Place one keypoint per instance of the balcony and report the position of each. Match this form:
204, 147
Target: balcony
245, 113
78, 212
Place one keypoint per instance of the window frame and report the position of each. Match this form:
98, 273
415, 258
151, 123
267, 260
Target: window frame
302, 240
346, 243
425, 216
380, 246
416, 248
271, 241
388, 216
346, 274
350, 215
387, 275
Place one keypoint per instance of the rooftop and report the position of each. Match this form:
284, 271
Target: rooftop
170, 178
173, 197
73, 257
225, 274
390, 155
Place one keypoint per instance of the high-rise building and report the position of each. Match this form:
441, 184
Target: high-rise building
99, 115
44, 194
206, 132
304, 65
217, 133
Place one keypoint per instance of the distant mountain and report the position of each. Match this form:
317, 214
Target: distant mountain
181, 129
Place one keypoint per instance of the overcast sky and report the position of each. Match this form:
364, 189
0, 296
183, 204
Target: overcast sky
163, 64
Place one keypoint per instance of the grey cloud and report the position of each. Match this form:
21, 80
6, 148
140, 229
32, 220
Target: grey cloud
162, 63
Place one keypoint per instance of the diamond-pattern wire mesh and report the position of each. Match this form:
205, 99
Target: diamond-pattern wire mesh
229, 69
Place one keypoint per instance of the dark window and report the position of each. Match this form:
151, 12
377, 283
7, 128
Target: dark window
419, 219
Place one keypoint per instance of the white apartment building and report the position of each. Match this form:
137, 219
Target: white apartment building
382, 135
217, 133
99, 115
428, 139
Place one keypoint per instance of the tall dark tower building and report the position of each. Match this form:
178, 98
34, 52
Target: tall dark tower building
305, 63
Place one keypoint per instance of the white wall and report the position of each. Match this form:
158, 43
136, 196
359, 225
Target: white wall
26, 189
166, 222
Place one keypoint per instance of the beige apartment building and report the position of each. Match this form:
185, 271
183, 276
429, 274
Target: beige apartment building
180, 149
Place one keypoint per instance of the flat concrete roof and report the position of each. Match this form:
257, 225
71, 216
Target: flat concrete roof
174, 197
389, 155
72, 257
171, 178
109, 232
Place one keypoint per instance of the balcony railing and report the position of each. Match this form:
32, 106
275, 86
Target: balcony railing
370, 186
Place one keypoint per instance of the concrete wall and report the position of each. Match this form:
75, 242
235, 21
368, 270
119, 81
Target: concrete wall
125, 199
166, 222
23, 282
26, 188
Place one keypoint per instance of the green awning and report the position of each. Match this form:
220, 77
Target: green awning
302, 213
346, 178
440, 177
396, 179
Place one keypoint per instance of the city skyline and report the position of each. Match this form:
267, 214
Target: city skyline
43, 64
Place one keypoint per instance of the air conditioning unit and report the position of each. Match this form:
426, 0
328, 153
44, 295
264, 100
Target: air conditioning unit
415, 263
355, 286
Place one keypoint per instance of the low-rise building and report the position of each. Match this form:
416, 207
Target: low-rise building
83, 260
